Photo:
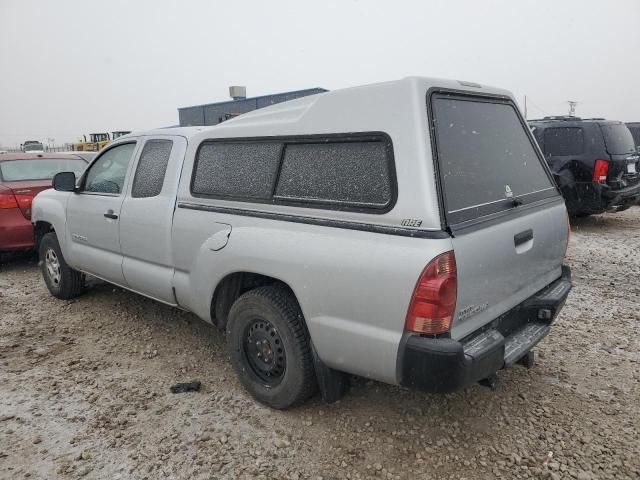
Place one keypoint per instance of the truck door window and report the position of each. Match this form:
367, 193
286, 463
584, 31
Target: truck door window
151, 168
108, 173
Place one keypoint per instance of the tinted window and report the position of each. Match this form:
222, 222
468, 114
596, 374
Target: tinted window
618, 139
39, 169
33, 147
635, 132
237, 169
108, 172
151, 169
354, 173
563, 141
484, 155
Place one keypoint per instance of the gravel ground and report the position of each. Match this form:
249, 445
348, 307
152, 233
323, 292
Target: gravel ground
84, 392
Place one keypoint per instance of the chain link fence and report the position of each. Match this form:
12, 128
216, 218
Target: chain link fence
67, 147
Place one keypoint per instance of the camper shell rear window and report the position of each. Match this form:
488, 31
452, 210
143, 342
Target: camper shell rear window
485, 156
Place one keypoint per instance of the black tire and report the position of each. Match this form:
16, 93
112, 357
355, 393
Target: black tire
63, 282
271, 317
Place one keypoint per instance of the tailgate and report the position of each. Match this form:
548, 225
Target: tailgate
623, 168
506, 216
502, 265
623, 171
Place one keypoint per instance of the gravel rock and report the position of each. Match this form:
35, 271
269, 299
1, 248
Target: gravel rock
90, 377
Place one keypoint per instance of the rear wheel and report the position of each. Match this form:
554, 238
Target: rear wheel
62, 281
269, 347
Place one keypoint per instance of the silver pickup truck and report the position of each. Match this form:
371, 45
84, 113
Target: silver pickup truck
409, 232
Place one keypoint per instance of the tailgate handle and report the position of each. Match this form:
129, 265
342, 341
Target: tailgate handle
523, 237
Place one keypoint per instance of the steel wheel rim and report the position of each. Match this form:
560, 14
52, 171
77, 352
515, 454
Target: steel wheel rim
264, 351
52, 263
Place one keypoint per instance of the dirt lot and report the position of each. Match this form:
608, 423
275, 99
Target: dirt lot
84, 392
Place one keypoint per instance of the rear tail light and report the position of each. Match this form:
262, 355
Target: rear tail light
7, 199
24, 202
600, 171
434, 298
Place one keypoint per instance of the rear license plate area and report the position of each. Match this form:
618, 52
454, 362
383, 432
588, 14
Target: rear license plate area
631, 168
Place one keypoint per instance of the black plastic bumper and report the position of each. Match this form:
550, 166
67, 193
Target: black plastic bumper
442, 364
597, 198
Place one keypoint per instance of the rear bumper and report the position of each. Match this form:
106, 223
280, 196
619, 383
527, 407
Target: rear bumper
591, 197
442, 364
16, 232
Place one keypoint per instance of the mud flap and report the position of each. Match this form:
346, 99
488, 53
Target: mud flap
333, 384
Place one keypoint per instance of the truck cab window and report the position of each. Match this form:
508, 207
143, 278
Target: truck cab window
108, 173
151, 169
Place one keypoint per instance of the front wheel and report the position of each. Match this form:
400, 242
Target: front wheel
269, 347
62, 281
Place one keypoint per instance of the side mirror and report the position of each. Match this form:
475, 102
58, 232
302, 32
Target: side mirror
64, 181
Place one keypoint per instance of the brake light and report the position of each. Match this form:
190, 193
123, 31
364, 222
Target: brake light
7, 200
24, 202
600, 171
434, 299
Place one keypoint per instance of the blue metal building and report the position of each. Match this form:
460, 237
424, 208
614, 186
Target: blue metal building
214, 113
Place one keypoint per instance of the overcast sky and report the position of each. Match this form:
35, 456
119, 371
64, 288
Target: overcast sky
77, 66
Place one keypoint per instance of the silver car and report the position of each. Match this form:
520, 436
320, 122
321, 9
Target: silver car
408, 232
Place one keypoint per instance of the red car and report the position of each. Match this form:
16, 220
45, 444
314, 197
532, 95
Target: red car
22, 177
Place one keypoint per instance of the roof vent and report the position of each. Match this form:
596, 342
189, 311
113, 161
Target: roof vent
238, 93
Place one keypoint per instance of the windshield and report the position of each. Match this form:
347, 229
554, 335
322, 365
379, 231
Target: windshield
33, 147
618, 139
39, 169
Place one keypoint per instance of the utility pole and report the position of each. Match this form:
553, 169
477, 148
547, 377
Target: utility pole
572, 107
525, 108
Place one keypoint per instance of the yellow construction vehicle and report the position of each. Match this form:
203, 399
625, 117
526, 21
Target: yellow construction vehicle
96, 142
119, 133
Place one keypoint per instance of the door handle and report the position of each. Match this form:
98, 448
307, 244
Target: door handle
109, 214
523, 237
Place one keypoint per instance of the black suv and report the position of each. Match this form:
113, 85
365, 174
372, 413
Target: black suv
594, 162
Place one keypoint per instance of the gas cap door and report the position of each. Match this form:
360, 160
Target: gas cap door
219, 240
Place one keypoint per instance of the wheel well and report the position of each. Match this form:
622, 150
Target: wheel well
234, 285
40, 230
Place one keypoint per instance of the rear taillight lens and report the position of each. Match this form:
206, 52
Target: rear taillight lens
7, 200
24, 202
434, 298
600, 171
